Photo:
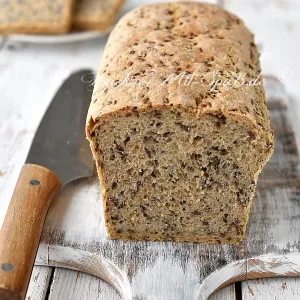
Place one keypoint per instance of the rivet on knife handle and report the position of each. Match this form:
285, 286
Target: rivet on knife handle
22, 227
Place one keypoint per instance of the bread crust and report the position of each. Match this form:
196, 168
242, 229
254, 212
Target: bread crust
237, 43
167, 38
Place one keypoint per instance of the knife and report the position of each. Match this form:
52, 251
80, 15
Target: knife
58, 155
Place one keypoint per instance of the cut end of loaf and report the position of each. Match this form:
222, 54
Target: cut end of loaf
174, 175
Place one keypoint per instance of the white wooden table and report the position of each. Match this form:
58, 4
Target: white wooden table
29, 77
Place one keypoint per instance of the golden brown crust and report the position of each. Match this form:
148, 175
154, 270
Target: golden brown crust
216, 41
139, 48
36, 19
95, 15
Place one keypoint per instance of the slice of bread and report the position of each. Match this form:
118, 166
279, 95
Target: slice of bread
36, 17
95, 14
179, 160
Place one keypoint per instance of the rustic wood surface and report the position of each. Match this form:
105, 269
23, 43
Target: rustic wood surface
281, 288
39, 285
40, 69
68, 285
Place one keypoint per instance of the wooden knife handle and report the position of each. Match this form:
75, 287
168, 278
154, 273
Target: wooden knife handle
22, 228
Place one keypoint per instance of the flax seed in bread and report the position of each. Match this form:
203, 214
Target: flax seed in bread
179, 162
95, 14
28, 16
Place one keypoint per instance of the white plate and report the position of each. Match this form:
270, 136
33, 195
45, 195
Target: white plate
57, 38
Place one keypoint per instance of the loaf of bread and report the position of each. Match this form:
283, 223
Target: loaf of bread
95, 14
28, 16
179, 160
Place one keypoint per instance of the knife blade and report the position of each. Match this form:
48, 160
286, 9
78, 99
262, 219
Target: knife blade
58, 155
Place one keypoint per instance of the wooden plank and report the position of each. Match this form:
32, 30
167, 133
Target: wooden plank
226, 293
39, 283
71, 285
128, 282
269, 289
